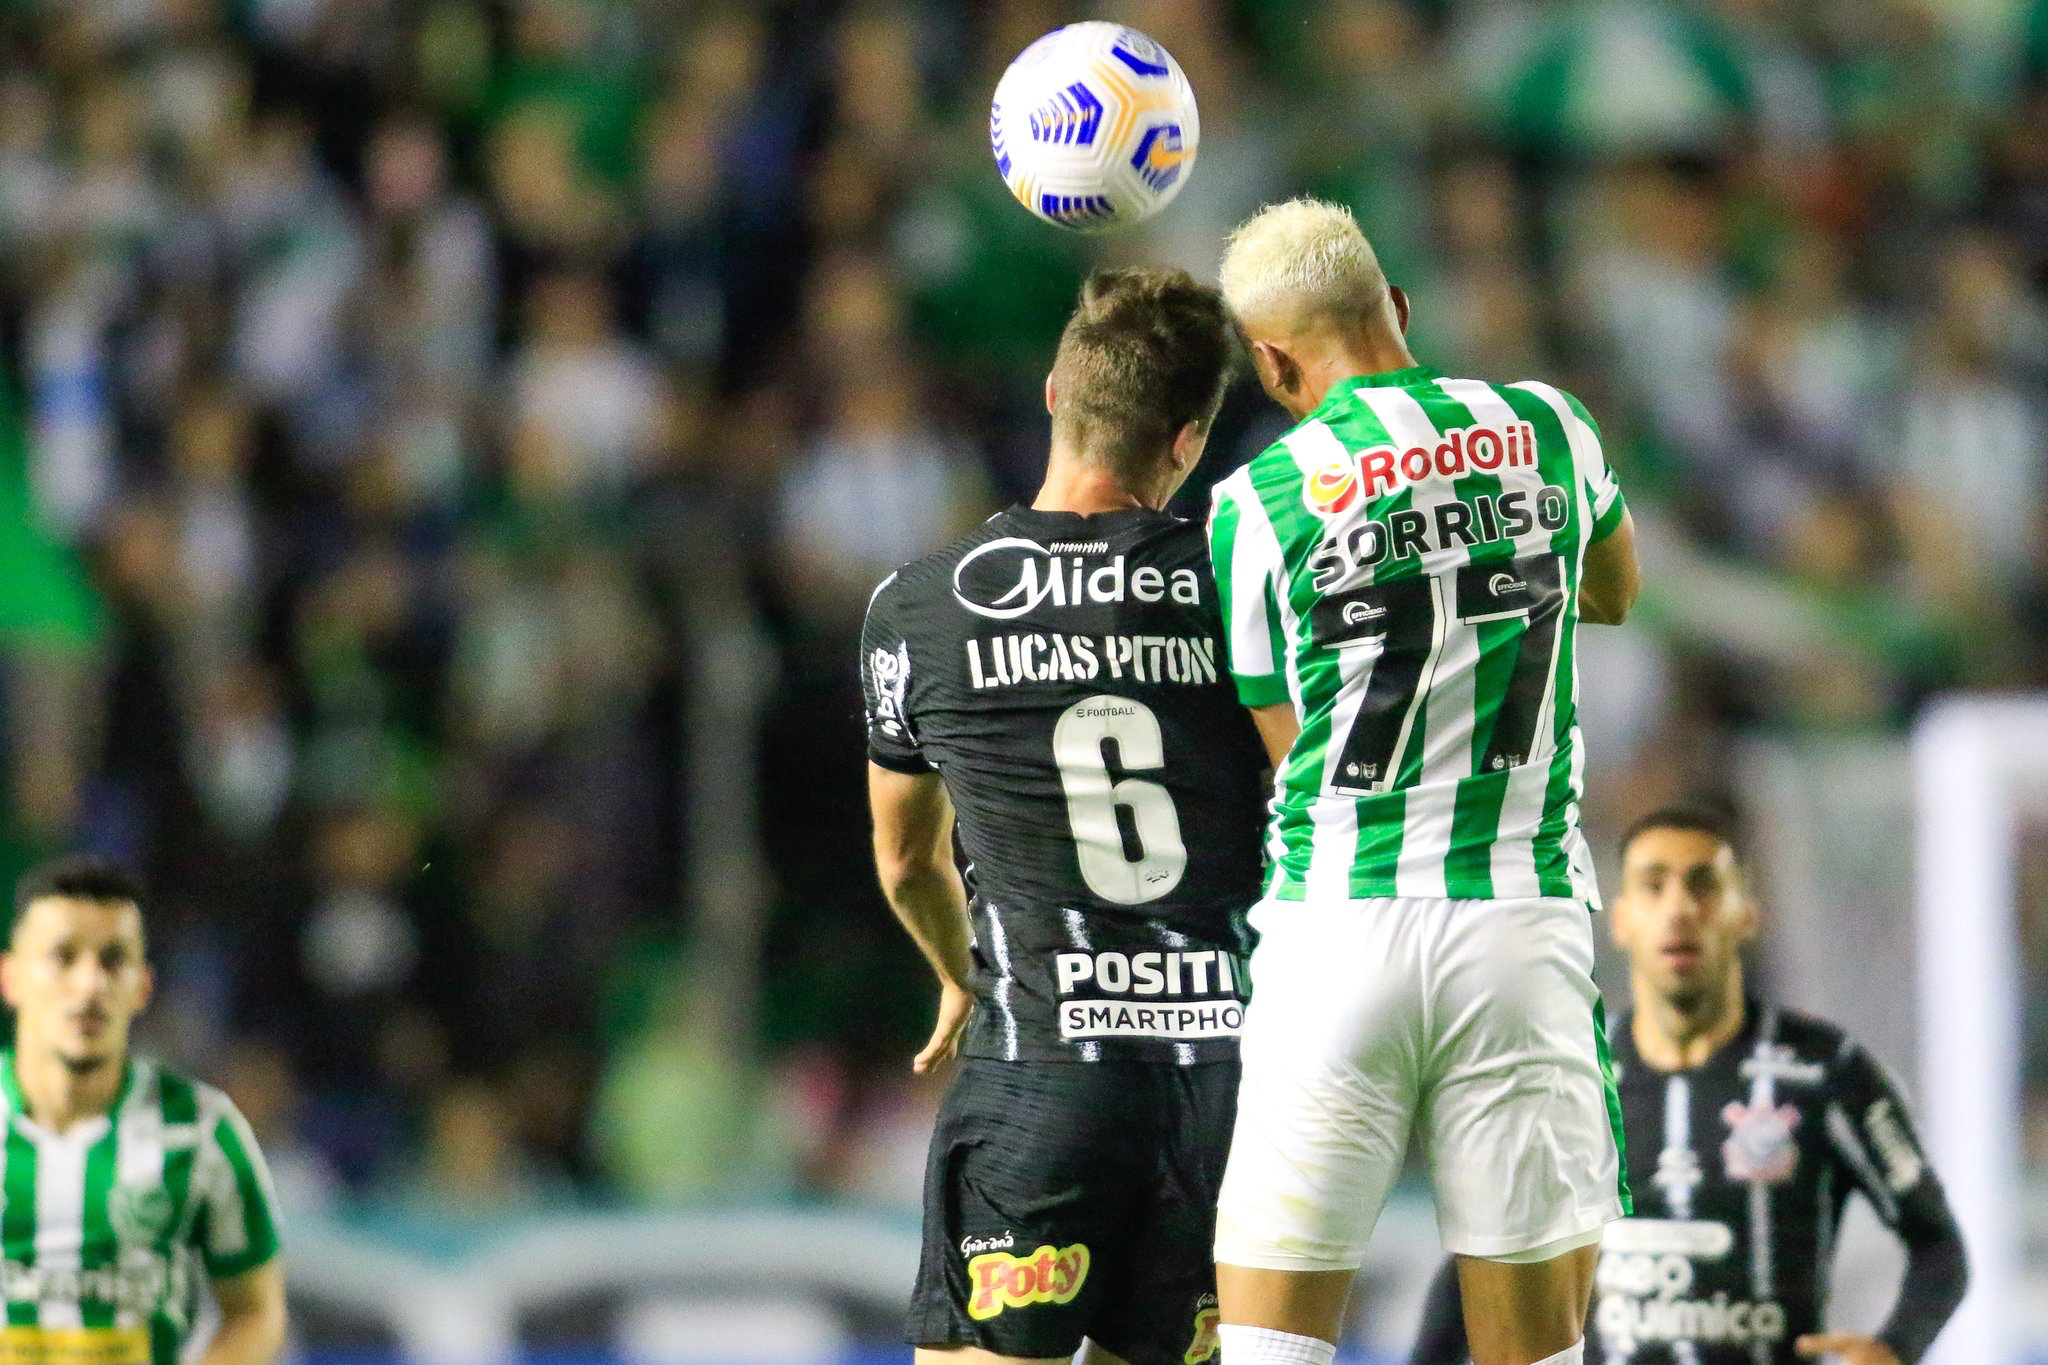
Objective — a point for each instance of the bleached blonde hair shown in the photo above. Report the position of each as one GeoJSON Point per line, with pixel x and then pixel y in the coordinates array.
{"type": "Point", "coordinates": [1297, 262]}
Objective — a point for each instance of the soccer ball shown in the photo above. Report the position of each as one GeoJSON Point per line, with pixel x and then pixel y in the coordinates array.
{"type": "Point", "coordinates": [1094, 127]}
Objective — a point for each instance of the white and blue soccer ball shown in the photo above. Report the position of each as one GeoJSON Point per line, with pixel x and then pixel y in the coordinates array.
{"type": "Point", "coordinates": [1094, 127]}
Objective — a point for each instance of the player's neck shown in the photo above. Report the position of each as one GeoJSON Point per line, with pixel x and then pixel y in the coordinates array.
{"type": "Point", "coordinates": [1351, 357]}
{"type": "Point", "coordinates": [1674, 1036]}
{"type": "Point", "coordinates": [1075, 484]}
{"type": "Point", "coordinates": [59, 1095]}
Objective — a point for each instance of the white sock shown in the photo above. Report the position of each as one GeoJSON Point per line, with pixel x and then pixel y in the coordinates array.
{"type": "Point", "coordinates": [1574, 1354]}
{"type": "Point", "coordinates": [1265, 1346]}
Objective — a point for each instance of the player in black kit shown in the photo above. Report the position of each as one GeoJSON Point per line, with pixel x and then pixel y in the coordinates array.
{"type": "Point", "coordinates": [1749, 1125]}
{"type": "Point", "coordinates": [1049, 695]}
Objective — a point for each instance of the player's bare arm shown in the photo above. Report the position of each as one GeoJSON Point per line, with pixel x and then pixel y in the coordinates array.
{"type": "Point", "coordinates": [252, 1318]}
{"type": "Point", "coordinates": [914, 859]}
{"type": "Point", "coordinates": [1612, 577]}
{"type": "Point", "coordinates": [1279, 727]}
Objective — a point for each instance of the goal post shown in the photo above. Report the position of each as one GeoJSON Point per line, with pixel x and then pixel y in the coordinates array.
{"type": "Point", "coordinates": [1975, 759]}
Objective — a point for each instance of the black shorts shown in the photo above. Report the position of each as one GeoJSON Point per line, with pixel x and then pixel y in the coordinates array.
{"type": "Point", "coordinates": [1066, 1200]}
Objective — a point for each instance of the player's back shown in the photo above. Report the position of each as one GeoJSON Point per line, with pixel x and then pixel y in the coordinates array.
{"type": "Point", "coordinates": [1066, 677]}
{"type": "Point", "coordinates": [1403, 565]}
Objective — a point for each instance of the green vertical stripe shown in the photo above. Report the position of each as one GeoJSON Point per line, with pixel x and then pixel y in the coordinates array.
{"type": "Point", "coordinates": [1606, 1052]}
{"type": "Point", "coordinates": [1553, 867]}
{"type": "Point", "coordinates": [18, 1216]}
{"type": "Point", "coordinates": [259, 1226]}
{"type": "Point", "coordinates": [179, 1104]}
{"type": "Point", "coordinates": [10, 1084]}
{"type": "Point", "coordinates": [99, 1249]}
{"type": "Point", "coordinates": [1381, 822]}
{"type": "Point", "coordinates": [1475, 824]}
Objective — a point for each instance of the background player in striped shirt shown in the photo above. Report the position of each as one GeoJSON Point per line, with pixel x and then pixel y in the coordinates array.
{"type": "Point", "coordinates": [1763, 1121]}
{"type": "Point", "coordinates": [124, 1184]}
{"type": "Point", "coordinates": [1403, 575]}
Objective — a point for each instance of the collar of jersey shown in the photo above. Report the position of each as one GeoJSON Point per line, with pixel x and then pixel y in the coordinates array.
{"type": "Point", "coordinates": [10, 1087]}
{"type": "Point", "coordinates": [1386, 379]}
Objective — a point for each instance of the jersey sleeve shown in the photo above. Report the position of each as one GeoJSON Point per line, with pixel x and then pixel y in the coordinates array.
{"type": "Point", "coordinates": [1603, 490]}
{"type": "Point", "coordinates": [1247, 564]}
{"type": "Point", "coordinates": [885, 685]}
{"type": "Point", "coordinates": [1878, 1151]}
{"type": "Point", "coordinates": [236, 1222]}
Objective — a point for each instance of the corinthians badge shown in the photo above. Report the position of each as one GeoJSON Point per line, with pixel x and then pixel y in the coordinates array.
{"type": "Point", "coordinates": [1760, 1148]}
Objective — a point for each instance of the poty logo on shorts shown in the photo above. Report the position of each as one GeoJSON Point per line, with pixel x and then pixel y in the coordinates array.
{"type": "Point", "coordinates": [1333, 488]}
{"type": "Point", "coordinates": [999, 1280]}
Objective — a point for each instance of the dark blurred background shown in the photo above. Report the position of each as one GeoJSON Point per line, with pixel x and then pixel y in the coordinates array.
{"type": "Point", "coordinates": [446, 447]}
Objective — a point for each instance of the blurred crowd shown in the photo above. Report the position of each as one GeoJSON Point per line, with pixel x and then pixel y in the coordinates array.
{"type": "Point", "coordinates": [446, 447]}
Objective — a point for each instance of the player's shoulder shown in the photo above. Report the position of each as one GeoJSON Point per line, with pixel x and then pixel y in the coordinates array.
{"type": "Point", "coordinates": [919, 577]}
{"type": "Point", "coordinates": [1817, 1041]}
{"type": "Point", "coordinates": [183, 1098]}
{"type": "Point", "coordinates": [1561, 401]}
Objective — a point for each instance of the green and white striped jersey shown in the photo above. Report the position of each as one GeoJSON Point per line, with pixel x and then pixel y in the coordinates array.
{"type": "Point", "coordinates": [108, 1228]}
{"type": "Point", "coordinates": [1403, 566]}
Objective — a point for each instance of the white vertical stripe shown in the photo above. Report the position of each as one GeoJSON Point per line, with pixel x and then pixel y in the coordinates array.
{"type": "Point", "coordinates": [1585, 447]}
{"type": "Point", "coordinates": [1183, 1053]}
{"type": "Point", "coordinates": [999, 944]}
{"type": "Point", "coordinates": [139, 1150]}
{"type": "Point", "coordinates": [1678, 1170]}
{"type": "Point", "coordinates": [1333, 821]}
{"type": "Point", "coordinates": [1521, 811]}
{"type": "Point", "coordinates": [1250, 572]}
{"type": "Point", "coordinates": [1763, 1095]}
{"type": "Point", "coordinates": [1448, 696]}
{"type": "Point", "coordinates": [226, 1218]}
{"type": "Point", "coordinates": [1255, 534]}
{"type": "Point", "coordinates": [1077, 934]}
{"type": "Point", "coordinates": [60, 1210]}
{"type": "Point", "coordinates": [1842, 1133]}
{"type": "Point", "coordinates": [1335, 817]}
{"type": "Point", "coordinates": [1678, 1164]}
{"type": "Point", "coordinates": [1315, 447]}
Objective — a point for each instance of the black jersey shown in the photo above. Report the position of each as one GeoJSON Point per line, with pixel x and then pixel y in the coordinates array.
{"type": "Point", "coordinates": [1066, 676]}
{"type": "Point", "coordinates": [1741, 1167]}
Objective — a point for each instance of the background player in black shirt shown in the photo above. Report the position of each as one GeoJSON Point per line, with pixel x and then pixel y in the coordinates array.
{"type": "Point", "coordinates": [1748, 1126]}
{"type": "Point", "coordinates": [1049, 697]}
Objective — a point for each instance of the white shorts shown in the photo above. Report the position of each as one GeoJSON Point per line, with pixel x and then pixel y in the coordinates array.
{"type": "Point", "coordinates": [1476, 1024]}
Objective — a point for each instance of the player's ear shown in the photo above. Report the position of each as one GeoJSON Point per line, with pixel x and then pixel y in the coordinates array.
{"type": "Point", "coordinates": [1618, 925]}
{"type": "Point", "coordinates": [1051, 394]}
{"type": "Point", "coordinates": [1188, 444]}
{"type": "Point", "coordinates": [1277, 370]}
{"type": "Point", "coordinates": [8, 970]}
{"type": "Point", "coordinates": [1400, 298]}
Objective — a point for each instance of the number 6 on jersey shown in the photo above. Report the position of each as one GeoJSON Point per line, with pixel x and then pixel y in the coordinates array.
{"type": "Point", "coordinates": [1126, 833]}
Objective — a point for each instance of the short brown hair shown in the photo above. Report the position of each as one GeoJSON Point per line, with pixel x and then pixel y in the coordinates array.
{"type": "Point", "coordinates": [1146, 352]}
{"type": "Point", "coordinates": [78, 876]}
{"type": "Point", "coordinates": [1692, 818]}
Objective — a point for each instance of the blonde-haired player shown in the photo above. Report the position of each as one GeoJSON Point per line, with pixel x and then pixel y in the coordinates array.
{"type": "Point", "coordinates": [1403, 575]}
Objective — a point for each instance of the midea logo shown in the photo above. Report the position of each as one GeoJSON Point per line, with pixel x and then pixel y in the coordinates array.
{"type": "Point", "coordinates": [1011, 577]}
